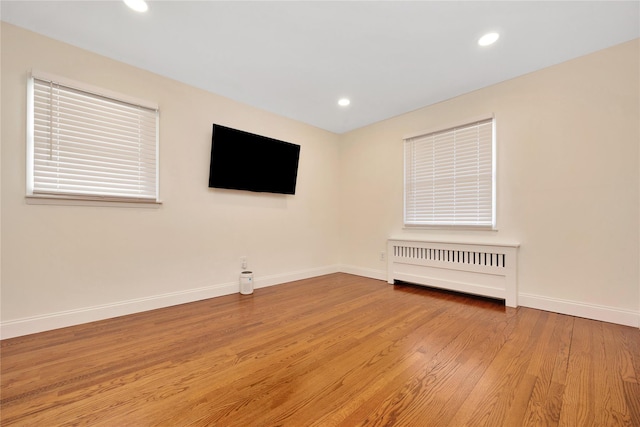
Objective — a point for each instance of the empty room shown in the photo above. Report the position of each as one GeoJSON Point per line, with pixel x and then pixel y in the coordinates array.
{"type": "Point", "coordinates": [234, 213]}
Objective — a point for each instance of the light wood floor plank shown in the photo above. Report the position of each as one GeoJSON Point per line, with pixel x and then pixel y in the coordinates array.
{"type": "Point", "coordinates": [549, 365]}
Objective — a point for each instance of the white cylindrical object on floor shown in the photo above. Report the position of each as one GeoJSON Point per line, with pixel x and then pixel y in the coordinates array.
{"type": "Point", "coordinates": [246, 282]}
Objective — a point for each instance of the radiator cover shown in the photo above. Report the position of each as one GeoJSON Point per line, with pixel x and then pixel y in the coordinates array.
{"type": "Point", "coordinates": [487, 269]}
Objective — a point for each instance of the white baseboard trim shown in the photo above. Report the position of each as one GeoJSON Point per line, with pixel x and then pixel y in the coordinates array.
{"type": "Point", "coordinates": [46, 322]}
{"type": "Point", "coordinates": [63, 319]}
{"type": "Point", "coordinates": [278, 279]}
{"type": "Point", "coordinates": [579, 309]}
{"type": "Point", "coordinates": [364, 272]}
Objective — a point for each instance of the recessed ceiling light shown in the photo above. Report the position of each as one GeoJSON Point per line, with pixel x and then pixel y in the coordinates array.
{"type": "Point", "coordinates": [488, 39]}
{"type": "Point", "coordinates": [137, 5]}
{"type": "Point", "coordinates": [343, 102]}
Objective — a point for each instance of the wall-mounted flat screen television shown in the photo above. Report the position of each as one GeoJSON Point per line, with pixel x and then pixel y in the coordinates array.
{"type": "Point", "coordinates": [245, 161]}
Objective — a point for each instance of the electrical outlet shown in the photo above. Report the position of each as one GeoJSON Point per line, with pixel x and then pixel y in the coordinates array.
{"type": "Point", "coordinates": [382, 256]}
{"type": "Point", "coordinates": [243, 262]}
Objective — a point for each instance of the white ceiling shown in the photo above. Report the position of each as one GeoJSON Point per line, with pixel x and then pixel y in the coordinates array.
{"type": "Point", "coordinates": [297, 58]}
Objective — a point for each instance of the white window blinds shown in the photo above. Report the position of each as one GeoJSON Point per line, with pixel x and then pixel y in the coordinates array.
{"type": "Point", "coordinates": [449, 177]}
{"type": "Point", "coordinates": [87, 145]}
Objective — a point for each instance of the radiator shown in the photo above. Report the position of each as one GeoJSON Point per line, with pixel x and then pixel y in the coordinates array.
{"type": "Point", "coordinates": [490, 270]}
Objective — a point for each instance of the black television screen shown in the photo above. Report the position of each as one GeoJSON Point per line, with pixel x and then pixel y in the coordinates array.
{"type": "Point", "coordinates": [245, 161]}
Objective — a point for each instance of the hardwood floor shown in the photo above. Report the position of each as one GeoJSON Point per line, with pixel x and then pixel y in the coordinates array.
{"type": "Point", "coordinates": [334, 350]}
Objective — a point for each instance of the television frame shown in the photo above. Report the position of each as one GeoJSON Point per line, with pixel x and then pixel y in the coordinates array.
{"type": "Point", "coordinates": [246, 161]}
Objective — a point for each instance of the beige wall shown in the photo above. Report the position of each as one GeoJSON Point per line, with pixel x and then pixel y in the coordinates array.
{"type": "Point", "coordinates": [568, 191]}
{"type": "Point", "coordinates": [567, 178]}
{"type": "Point", "coordinates": [58, 258]}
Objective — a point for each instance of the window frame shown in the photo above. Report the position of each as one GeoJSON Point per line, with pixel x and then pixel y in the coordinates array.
{"type": "Point", "coordinates": [39, 197]}
{"type": "Point", "coordinates": [492, 226]}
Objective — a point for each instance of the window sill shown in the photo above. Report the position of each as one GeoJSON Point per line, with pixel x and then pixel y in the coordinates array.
{"type": "Point", "coordinates": [98, 202]}
{"type": "Point", "coordinates": [449, 227]}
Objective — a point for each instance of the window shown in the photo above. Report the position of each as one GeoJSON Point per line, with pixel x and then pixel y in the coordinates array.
{"type": "Point", "coordinates": [88, 144]}
{"type": "Point", "coordinates": [450, 177]}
